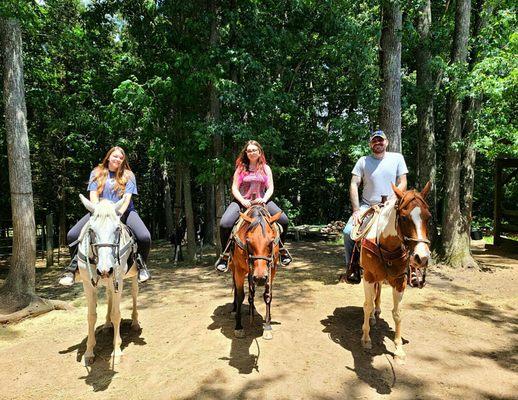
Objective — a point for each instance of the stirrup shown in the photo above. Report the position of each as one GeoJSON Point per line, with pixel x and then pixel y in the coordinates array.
{"type": "Point", "coordinates": [221, 264]}
{"type": "Point", "coordinates": [285, 256]}
{"type": "Point", "coordinates": [142, 271]}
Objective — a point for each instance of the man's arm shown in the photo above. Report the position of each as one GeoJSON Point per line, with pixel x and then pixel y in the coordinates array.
{"type": "Point", "coordinates": [354, 197]}
{"type": "Point", "coordinates": [401, 182]}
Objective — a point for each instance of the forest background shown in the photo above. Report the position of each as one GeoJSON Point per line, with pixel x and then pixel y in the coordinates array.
{"type": "Point", "coordinates": [181, 86]}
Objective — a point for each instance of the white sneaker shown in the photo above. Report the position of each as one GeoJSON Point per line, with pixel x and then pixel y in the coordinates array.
{"type": "Point", "coordinates": [68, 279]}
{"type": "Point", "coordinates": [143, 275]}
{"type": "Point", "coordinates": [222, 266]}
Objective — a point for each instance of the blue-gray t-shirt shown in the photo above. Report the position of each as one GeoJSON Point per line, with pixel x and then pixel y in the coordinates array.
{"type": "Point", "coordinates": [109, 192]}
{"type": "Point", "coordinates": [377, 175]}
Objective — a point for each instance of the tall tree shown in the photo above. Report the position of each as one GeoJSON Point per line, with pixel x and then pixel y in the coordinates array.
{"type": "Point", "coordinates": [455, 241]}
{"type": "Point", "coordinates": [390, 61]}
{"type": "Point", "coordinates": [17, 295]}
{"type": "Point", "coordinates": [20, 281]}
{"type": "Point", "coordinates": [426, 163]}
{"type": "Point", "coordinates": [471, 108]}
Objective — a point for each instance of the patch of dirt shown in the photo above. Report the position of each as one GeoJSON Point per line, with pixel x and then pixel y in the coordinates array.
{"type": "Point", "coordinates": [460, 335]}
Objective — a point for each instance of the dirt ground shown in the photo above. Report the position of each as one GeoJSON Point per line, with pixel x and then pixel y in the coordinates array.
{"type": "Point", "coordinates": [460, 336]}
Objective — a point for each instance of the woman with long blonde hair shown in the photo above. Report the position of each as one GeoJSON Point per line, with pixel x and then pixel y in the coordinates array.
{"type": "Point", "coordinates": [112, 180]}
{"type": "Point", "coordinates": [252, 184]}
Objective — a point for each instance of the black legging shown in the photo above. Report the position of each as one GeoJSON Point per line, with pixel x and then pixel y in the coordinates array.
{"type": "Point", "coordinates": [231, 215]}
{"type": "Point", "coordinates": [130, 218]}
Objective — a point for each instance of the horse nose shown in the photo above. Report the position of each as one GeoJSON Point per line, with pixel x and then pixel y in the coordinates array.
{"type": "Point", "coordinates": [260, 281]}
{"type": "Point", "coordinates": [421, 261]}
{"type": "Point", "coordinates": [104, 273]}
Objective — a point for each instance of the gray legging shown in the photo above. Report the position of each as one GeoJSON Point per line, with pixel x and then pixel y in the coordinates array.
{"type": "Point", "coordinates": [231, 215]}
{"type": "Point", "coordinates": [130, 218]}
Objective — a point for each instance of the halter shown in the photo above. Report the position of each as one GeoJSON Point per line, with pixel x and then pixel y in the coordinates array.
{"type": "Point", "coordinates": [413, 272]}
{"type": "Point", "coordinates": [116, 252]}
{"type": "Point", "coordinates": [406, 239]}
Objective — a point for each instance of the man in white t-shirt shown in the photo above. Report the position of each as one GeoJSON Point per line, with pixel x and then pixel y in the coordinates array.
{"type": "Point", "coordinates": [376, 171]}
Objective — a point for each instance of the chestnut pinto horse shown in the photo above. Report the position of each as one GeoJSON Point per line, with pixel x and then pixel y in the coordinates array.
{"type": "Point", "coordinates": [395, 250]}
{"type": "Point", "coordinates": [255, 254]}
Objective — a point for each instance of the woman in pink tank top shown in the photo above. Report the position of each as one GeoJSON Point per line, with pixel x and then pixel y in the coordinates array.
{"type": "Point", "coordinates": [252, 184]}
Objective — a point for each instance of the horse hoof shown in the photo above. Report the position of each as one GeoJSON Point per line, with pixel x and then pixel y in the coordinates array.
{"type": "Point", "coordinates": [372, 321]}
{"type": "Point", "coordinates": [267, 335]}
{"type": "Point", "coordinates": [88, 360]}
{"type": "Point", "coordinates": [400, 359]}
{"type": "Point", "coordinates": [135, 327]}
{"type": "Point", "coordinates": [367, 345]}
{"type": "Point", "coordinates": [239, 333]}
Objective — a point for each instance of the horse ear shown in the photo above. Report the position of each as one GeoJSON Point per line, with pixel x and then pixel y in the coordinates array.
{"type": "Point", "coordinates": [399, 193]}
{"type": "Point", "coordinates": [87, 203]}
{"type": "Point", "coordinates": [275, 217]}
{"type": "Point", "coordinates": [426, 189]}
{"type": "Point", "coordinates": [246, 217]}
{"type": "Point", "coordinates": [118, 205]}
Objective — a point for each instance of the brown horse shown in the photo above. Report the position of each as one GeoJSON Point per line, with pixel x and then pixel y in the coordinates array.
{"type": "Point", "coordinates": [255, 255]}
{"type": "Point", "coordinates": [395, 250]}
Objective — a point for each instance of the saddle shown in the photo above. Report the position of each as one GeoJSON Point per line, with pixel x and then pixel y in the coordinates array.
{"type": "Point", "coordinates": [234, 238]}
{"type": "Point", "coordinates": [391, 260]}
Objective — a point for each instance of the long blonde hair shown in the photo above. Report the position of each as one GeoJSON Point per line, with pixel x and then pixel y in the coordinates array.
{"type": "Point", "coordinates": [122, 175]}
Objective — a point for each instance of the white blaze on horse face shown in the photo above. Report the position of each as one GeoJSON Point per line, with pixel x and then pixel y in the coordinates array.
{"type": "Point", "coordinates": [386, 222]}
{"type": "Point", "coordinates": [421, 249]}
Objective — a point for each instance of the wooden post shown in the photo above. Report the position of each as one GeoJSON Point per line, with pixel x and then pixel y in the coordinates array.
{"type": "Point", "coordinates": [498, 201]}
{"type": "Point", "coordinates": [50, 240]}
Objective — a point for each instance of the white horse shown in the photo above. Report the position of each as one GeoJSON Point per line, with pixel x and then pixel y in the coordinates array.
{"type": "Point", "coordinates": [104, 252]}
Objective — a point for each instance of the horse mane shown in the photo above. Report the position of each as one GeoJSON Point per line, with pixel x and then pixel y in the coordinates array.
{"type": "Point", "coordinates": [258, 213]}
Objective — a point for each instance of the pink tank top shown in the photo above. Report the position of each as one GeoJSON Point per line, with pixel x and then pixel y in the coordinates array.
{"type": "Point", "coordinates": [252, 184]}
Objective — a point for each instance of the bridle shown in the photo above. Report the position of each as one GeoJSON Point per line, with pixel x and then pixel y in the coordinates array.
{"type": "Point", "coordinates": [117, 252]}
{"type": "Point", "coordinates": [415, 274]}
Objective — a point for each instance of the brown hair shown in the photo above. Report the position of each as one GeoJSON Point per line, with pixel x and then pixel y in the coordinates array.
{"type": "Point", "coordinates": [242, 161]}
{"type": "Point", "coordinates": [122, 175]}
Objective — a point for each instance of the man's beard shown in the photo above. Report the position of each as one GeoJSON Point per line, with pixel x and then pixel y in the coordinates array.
{"type": "Point", "coordinates": [378, 149]}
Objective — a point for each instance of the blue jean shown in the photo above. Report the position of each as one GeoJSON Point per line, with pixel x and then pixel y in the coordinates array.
{"type": "Point", "coordinates": [348, 242]}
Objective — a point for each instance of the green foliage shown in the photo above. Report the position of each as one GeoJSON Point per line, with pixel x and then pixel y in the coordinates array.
{"type": "Point", "coordinates": [299, 76]}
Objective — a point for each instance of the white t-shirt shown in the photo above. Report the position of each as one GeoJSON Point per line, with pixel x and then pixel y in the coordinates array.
{"type": "Point", "coordinates": [377, 175]}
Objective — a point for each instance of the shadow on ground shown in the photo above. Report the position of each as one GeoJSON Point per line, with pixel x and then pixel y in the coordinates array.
{"type": "Point", "coordinates": [344, 328]}
{"type": "Point", "coordinates": [240, 357]}
{"type": "Point", "coordinates": [101, 372]}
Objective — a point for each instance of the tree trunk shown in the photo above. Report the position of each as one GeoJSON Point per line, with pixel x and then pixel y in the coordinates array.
{"type": "Point", "coordinates": [168, 204]}
{"type": "Point", "coordinates": [189, 214]}
{"type": "Point", "coordinates": [213, 118]}
{"type": "Point", "coordinates": [456, 244]}
{"type": "Point", "coordinates": [471, 108]}
{"type": "Point", "coordinates": [62, 219]}
{"type": "Point", "coordinates": [426, 156]}
{"type": "Point", "coordinates": [178, 195]}
{"type": "Point", "coordinates": [390, 61]}
{"type": "Point", "coordinates": [210, 214]}
{"type": "Point", "coordinates": [18, 289]}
